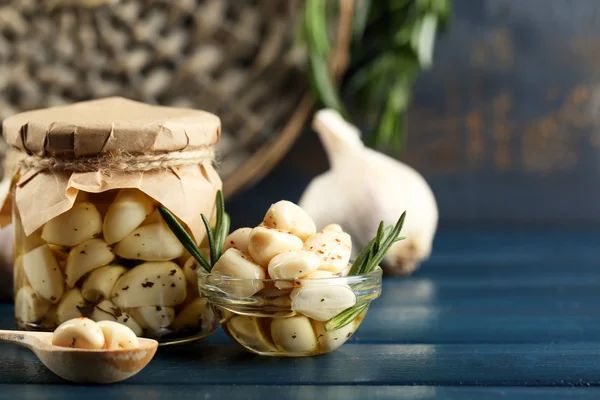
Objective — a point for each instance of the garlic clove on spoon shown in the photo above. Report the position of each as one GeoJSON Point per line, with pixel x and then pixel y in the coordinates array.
{"type": "Point", "coordinates": [364, 187]}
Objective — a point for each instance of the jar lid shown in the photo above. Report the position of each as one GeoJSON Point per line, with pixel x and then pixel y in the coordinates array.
{"type": "Point", "coordinates": [101, 126]}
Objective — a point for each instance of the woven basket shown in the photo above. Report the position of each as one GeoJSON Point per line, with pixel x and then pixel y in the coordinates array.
{"type": "Point", "coordinates": [236, 59]}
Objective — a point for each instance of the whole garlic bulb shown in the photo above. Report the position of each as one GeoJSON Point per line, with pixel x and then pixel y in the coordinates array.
{"type": "Point", "coordinates": [364, 187]}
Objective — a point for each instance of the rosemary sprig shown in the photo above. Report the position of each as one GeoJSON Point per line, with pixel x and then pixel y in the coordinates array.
{"type": "Point", "coordinates": [216, 236]}
{"type": "Point", "coordinates": [392, 41]}
{"type": "Point", "coordinates": [368, 259]}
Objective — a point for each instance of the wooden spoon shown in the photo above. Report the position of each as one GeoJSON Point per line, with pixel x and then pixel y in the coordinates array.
{"type": "Point", "coordinates": [84, 366]}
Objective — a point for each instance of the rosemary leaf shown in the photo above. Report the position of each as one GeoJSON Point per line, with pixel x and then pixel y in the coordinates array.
{"type": "Point", "coordinates": [360, 19]}
{"type": "Point", "coordinates": [344, 318]}
{"type": "Point", "coordinates": [211, 240]}
{"type": "Point", "coordinates": [368, 259]}
{"type": "Point", "coordinates": [385, 246]}
{"type": "Point", "coordinates": [185, 239]}
{"type": "Point", "coordinates": [315, 25]}
{"type": "Point", "coordinates": [223, 232]}
{"type": "Point", "coordinates": [392, 41]}
{"type": "Point", "coordinates": [360, 261]}
{"type": "Point", "coordinates": [218, 231]}
{"type": "Point", "coordinates": [323, 85]}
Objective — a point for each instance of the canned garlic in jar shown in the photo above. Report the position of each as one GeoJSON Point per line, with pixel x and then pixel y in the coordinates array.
{"type": "Point", "coordinates": [89, 241]}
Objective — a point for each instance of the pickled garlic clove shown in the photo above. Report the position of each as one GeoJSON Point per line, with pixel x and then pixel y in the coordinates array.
{"type": "Point", "coordinates": [333, 227]}
{"type": "Point", "coordinates": [318, 274]}
{"type": "Point", "coordinates": [44, 274]}
{"type": "Point", "coordinates": [79, 333]}
{"type": "Point", "coordinates": [190, 269]}
{"type": "Point", "coordinates": [150, 284]}
{"type": "Point", "coordinates": [108, 311]}
{"type": "Point", "coordinates": [265, 243]}
{"type": "Point", "coordinates": [238, 239]}
{"type": "Point", "coordinates": [86, 257]}
{"type": "Point", "coordinates": [247, 331]}
{"type": "Point", "coordinates": [118, 336]}
{"type": "Point", "coordinates": [293, 264]}
{"type": "Point", "coordinates": [153, 242]}
{"type": "Point", "coordinates": [101, 282]}
{"type": "Point", "coordinates": [322, 301]}
{"type": "Point", "coordinates": [235, 264]}
{"type": "Point", "coordinates": [130, 208]}
{"type": "Point", "coordinates": [30, 307]}
{"type": "Point", "coordinates": [153, 318]}
{"type": "Point", "coordinates": [82, 222]}
{"type": "Point", "coordinates": [294, 334]}
{"type": "Point", "coordinates": [287, 216]}
{"type": "Point", "coordinates": [196, 314]}
{"type": "Point", "coordinates": [333, 247]}
{"type": "Point", "coordinates": [69, 306]}
{"type": "Point", "coordinates": [330, 341]}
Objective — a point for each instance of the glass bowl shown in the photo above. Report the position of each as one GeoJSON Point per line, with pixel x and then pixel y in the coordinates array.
{"type": "Point", "coordinates": [287, 317]}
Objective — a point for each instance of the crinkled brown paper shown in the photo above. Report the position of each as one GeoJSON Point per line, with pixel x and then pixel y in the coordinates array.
{"type": "Point", "coordinates": [99, 126]}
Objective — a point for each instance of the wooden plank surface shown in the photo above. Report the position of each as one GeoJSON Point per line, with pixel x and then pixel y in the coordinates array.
{"type": "Point", "coordinates": [490, 315]}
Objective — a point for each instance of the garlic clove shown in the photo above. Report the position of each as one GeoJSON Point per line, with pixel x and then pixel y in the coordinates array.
{"type": "Point", "coordinates": [333, 227]}
{"type": "Point", "coordinates": [235, 264]}
{"type": "Point", "coordinates": [101, 282]}
{"type": "Point", "coordinates": [330, 341]}
{"type": "Point", "coordinates": [196, 314]}
{"type": "Point", "coordinates": [44, 274]}
{"type": "Point", "coordinates": [287, 216]}
{"type": "Point", "coordinates": [126, 213]}
{"type": "Point", "coordinates": [293, 264]}
{"type": "Point", "coordinates": [79, 333]}
{"type": "Point", "coordinates": [318, 274]}
{"type": "Point", "coordinates": [60, 252]}
{"type": "Point", "coordinates": [118, 336]}
{"type": "Point", "coordinates": [108, 311]}
{"type": "Point", "coordinates": [333, 248]}
{"type": "Point", "coordinates": [247, 331]}
{"type": "Point", "coordinates": [190, 269]}
{"type": "Point", "coordinates": [346, 270]}
{"type": "Point", "coordinates": [82, 222]}
{"type": "Point", "coordinates": [294, 335]}
{"type": "Point", "coordinates": [30, 307]}
{"type": "Point", "coordinates": [86, 257]}
{"type": "Point", "coordinates": [364, 187]}
{"type": "Point", "coordinates": [150, 284]}
{"type": "Point", "coordinates": [154, 242]}
{"type": "Point", "coordinates": [322, 301]}
{"type": "Point", "coordinates": [238, 239]}
{"type": "Point", "coordinates": [265, 243]}
{"type": "Point", "coordinates": [69, 306]}
{"type": "Point", "coordinates": [154, 318]}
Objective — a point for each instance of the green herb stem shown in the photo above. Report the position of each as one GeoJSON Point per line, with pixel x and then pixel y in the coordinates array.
{"type": "Point", "coordinates": [367, 260]}
{"type": "Point", "coordinates": [392, 41]}
{"type": "Point", "coordinates": [185, 239]}
{"type": "Point", "coordinates": [216, 237]}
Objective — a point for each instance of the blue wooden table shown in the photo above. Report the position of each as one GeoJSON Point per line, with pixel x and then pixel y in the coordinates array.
{"type": "Point", "coordinates": [491, 315]}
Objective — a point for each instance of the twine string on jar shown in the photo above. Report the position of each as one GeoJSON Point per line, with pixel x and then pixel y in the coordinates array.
{"type": "Point", "coordinates": [120, 160]}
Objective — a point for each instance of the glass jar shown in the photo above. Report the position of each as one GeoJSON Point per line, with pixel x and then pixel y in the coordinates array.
{"type": "Point", "coordinates": [93, 244]}
{"type": "Point", "coordinates": [273, 322]}
{"type": "Point", "coordinates": [96, 261]}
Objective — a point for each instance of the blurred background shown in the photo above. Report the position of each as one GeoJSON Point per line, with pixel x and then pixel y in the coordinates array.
{"type": "Point", "coordinates": [503, 125]}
